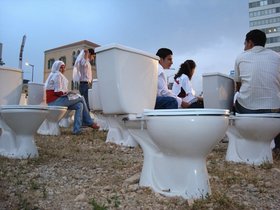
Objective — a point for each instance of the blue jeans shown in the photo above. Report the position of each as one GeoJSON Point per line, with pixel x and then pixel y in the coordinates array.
{"type": "Point", "coordinates": [81, 116]}
{"type": "Point", "coordinates": [166, 102]}
{"type": "Point", "coordinates": [83, 88]}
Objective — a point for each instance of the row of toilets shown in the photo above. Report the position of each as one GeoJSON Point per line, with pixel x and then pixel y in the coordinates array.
{"type": "Point", "coordinates": [175, 143]}
{"type": "Point", "coordinates": [21, 119]}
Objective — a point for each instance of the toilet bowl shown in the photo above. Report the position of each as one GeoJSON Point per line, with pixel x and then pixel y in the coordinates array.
{"type": "Point", "coordinates": [11, 86]}
{"type": "Point", "coordinates": [17, 122]}
{"type": "Point", "coordinates": [50, 125]}
{"type": "Point", "coordinates": [67, 120]}
{"type": "Point", "coordinates": [37, 96]}
{"type": "Point", "coordinates": [175, 143]}
{"type": "Point", "coordinates": [249, 142]}
{"type": "Point", "coordinates": [23, 121]}
{"type": "Point", "coordinates": [249, 135]}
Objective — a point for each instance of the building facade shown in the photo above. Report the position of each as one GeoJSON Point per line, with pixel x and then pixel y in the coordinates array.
{"type": "Point", "coordinates": [67, 54]}
{"type": "Point", "coordinates": [265, 15]}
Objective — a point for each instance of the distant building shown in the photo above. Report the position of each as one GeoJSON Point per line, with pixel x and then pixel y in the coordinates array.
{"type": "Point", "coordinates": [265, 15]}
{"type": "Point", "coordinates": [67, 54]}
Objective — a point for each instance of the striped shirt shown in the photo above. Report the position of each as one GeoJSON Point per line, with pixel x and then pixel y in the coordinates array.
{"type": "Point", "coordinates": [258, 70]}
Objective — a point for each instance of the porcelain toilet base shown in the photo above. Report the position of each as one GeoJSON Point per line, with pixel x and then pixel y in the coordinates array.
{"type": "Point", "coordinates": [50, 126]}
{"type": "Point", "coordinates": [23, 122]}
{"type": "Point", "coordinates": [171, 175]}
{"type": "Point", "coordinates": [66, 121]}
{"type": "Point", "coordinates": [250, 138]}
{"type": "Point", "coordinates": [118, 132]}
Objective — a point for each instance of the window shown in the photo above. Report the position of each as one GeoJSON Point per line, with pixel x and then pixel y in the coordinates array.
{"type": "Point", "coordinates": [50, 63]}
{"type": "Point", "coordinates": [63, 58]}
{"type": "Point", "coordinates": [73, 57]}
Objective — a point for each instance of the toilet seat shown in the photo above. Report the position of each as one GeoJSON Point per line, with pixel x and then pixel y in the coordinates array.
{"type": "Point", "coordinates": [263, 115]}
{"type": "Point", "coordinates": [185, 112]}
{"type": "Point", "coordinates": [5, 107]}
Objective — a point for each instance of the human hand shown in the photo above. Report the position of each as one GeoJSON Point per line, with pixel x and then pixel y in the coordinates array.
{"type": "Point", "coordinates": [185, 104]}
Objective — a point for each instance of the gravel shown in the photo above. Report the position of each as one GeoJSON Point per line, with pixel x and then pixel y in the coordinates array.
{"type": "Point", "coordinates": [84, 172]}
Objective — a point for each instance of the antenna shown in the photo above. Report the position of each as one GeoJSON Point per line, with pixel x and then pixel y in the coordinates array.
{"type": "Point", "coordinates": [1, 61]}
{"type": "Point", "coordinates": [21, 51]}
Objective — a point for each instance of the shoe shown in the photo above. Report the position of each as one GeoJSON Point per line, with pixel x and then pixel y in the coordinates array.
{"type": "Point", "coordinates": [78, 133]}
{"type": "Point", "coordinates": [95, 126]}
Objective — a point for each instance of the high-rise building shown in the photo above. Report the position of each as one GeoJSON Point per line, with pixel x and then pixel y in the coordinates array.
{"type": "Point", "coordinates": [265, 15]}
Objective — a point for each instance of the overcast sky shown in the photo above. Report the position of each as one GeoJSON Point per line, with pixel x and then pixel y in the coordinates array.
{"type": "Point", "coordinates": [211, 32]}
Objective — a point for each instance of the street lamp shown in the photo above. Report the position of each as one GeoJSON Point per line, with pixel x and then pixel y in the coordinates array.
{"type": "Point", "coordinates": [29, 64]}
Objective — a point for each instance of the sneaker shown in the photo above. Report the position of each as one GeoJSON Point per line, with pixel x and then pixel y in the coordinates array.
{"type": "Point", "coordinates": [95, 126]}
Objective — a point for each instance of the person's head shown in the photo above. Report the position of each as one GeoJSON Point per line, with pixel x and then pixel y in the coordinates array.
{"type": "Point", "coordinates": [91, 54]}
{"type": "Point", "coordinates": [254, 38]}
{"type": "Point", "coordinates": [58, 66]}
{"type": "Point", "coordinates": [186, 68]}
{"type": "Point", "coordinates": [165, 56]}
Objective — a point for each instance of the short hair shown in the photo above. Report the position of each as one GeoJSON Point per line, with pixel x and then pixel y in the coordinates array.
{"type": "Point", "coordinates": [91, 51]}
{"type": "Point", "coordinates": [258, 37]}
{"type": "Point", "coordinates": [164, 52]}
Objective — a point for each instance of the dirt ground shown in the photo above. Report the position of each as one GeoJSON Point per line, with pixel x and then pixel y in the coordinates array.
{"type": "Point", "coordinates": [84, 172]}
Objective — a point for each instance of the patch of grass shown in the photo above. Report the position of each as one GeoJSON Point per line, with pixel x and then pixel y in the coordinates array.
{"type": "Point", "coordinates": [216, 201]}
{"type": "Point", "coordinates": [96, 206]}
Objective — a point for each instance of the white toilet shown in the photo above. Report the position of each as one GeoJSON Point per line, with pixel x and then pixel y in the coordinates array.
{"type": "Point", "coordinates": [249, 135]}
{"type": "Point", "coordinates": [176, 142]}
{"type": "Point", "coordinates": [96, 106]}
{"type": "Point", "coordinates": [117, 131]}
{"type": "Point", "coordinates": [17, 122]}
{"type": "Point", "coordinates": [37, 96]}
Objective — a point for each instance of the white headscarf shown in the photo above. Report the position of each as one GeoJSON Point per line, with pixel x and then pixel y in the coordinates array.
{"type": "Point", "coordinates": [76, 73]}
{"type": "Point", "coordinates": [56, 80]}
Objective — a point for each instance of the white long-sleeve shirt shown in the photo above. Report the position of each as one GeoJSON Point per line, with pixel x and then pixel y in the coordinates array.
{"type": "Point", "coordinates": [163, 88]}
{"type": "Point", "coordinates": [184, 82]}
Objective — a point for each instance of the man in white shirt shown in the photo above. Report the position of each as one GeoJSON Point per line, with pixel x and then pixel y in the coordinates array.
{"type": "Point", "coordinates": [165, 98]}
{"type": "Point", "coordinates": [257, 76]}
{"type": "Point", "coordinates": [83, 68]}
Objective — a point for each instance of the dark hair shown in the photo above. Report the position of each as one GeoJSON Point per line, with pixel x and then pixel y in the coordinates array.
{"type": "Point", "coordinates": [258, 37]}
{"type": "Point", "coordinates": [91, 51]}
{"type": "Point", "coordinates": [186, 68]}
{"type": "Point", "coordinates": [164, 52]}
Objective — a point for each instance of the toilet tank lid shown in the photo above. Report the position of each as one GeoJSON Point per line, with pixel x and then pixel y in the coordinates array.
{"type": "Point", "coordinates": [185, 112]}
{"type": "Point", "coordinates": [208, 74]}
{"type": "Point", "coordinates": [125, 48]}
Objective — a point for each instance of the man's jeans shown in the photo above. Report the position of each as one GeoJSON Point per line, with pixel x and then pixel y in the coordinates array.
{"type": "Point", "coordinates": [166, 102]}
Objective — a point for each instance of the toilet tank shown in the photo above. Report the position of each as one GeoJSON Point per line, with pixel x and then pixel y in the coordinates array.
{"type": "Point", "coordinates": [218, 90]}
{"type": "Point", "coordinates": [94, 97]}
{"type": "Point", "coordinates": [10, 85]}
{"type": "Point", "coordinates": [36, 94]}
{"type": "Point", "coordinates": [127, 79]}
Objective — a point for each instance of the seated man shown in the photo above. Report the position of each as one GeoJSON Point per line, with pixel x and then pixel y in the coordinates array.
{"type": "Point", "coordinates": [165, 98]}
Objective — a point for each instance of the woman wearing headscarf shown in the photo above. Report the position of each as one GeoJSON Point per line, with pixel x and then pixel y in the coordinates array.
{"type": "Point", "coordinates": [58, 95]}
